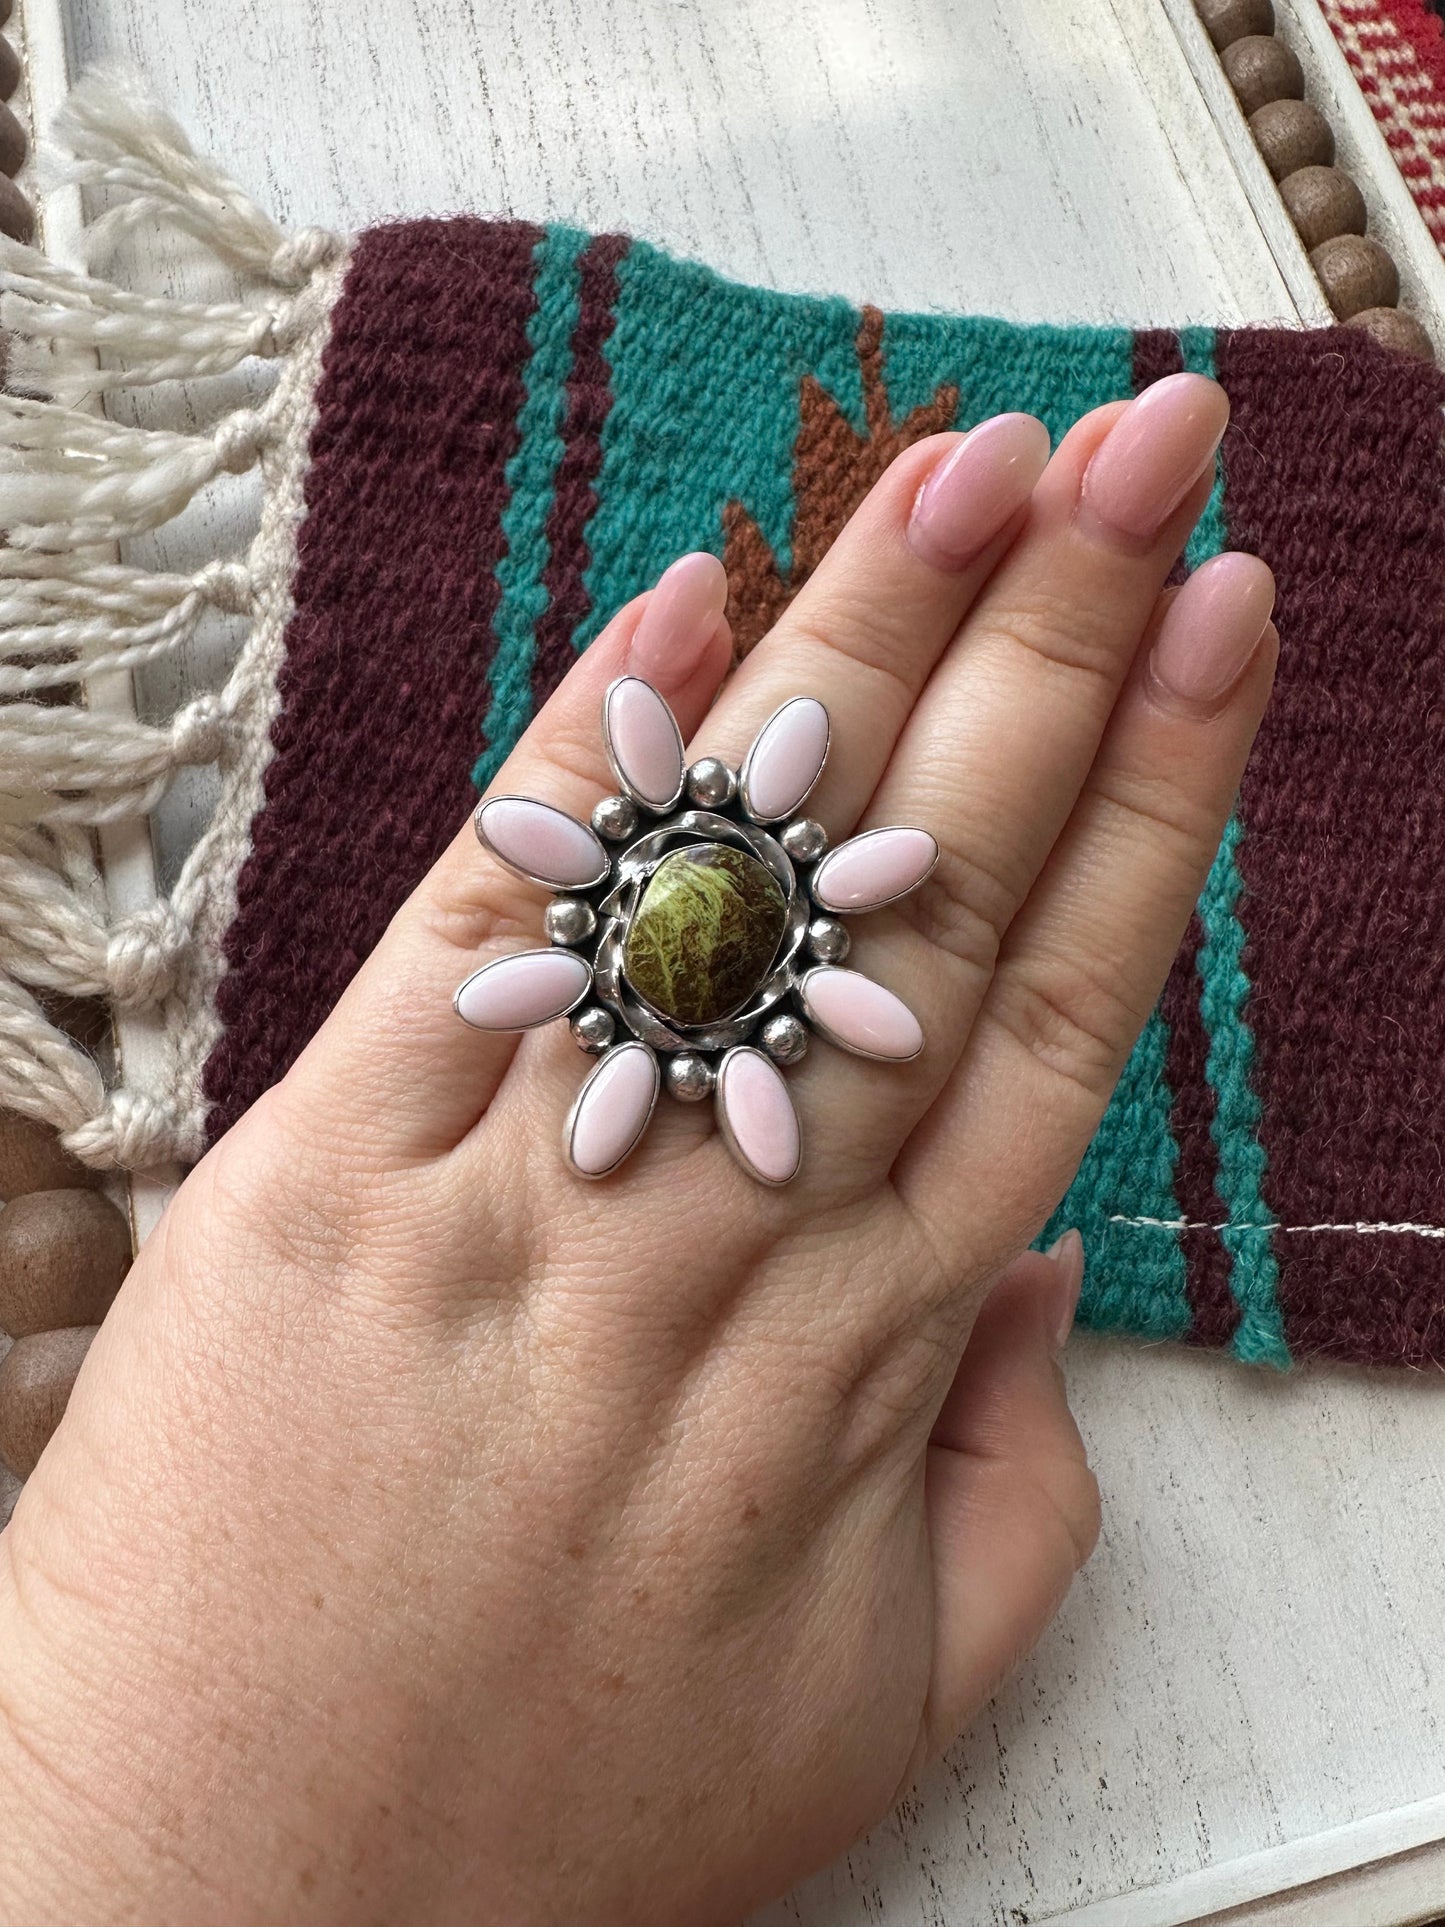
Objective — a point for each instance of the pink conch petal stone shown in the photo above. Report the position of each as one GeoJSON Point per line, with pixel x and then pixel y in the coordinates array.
{"type": "Point", "coordinates": [644, 741]}
{"type": "Point", "coordinates": [785, 761]}
{"type": "Point", "coordinates": [612, 1109]}
{"type": "Point", "coordinates": [757, 1116]}
{"type": "Point", "coordinates": [542, 842]}
{"type": "Point", "coordinates": [862, 1016]}
{"type": "Point", "coordinates": [874, 868]}
{"type": "Point", "coordinates": [514, 993]}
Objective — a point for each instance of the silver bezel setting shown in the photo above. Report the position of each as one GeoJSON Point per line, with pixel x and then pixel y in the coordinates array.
{"type": "Point", "coordinates": [569, 1129]}
{"type": "Point", "coordinates": [745, 773]}
{"type": "Point", "coordinates": [532, 876]}
{"type": "Point", "coordinates": [624, 782]}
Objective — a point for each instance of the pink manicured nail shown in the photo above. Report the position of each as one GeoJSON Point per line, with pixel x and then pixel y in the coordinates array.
{"type": "Point", "coordinates": [1153, 454]}
{"type": "Point", "coordinates": [977, 489]}
{"type": "Point", "coordinates": [678, 623]}
{"type": "Point", "coordinates": [1068, 1256]}
{"type": "Point", "coordinates": [1212, 628]}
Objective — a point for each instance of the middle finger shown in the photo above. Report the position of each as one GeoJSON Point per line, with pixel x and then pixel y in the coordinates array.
{"type": "Point", "coordinates": [1002, 740]}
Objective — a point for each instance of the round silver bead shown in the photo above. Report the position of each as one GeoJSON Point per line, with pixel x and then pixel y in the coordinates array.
{"type": "Point", "coordinates": [828, 940]}
{"type": "Point", "coordinates": [711, 784]}
{"type": "Point", "coordinates": [804, 840]}
{"type": "Point", "coordinates": [784, 1038]}
{"type": "Point", "coordinates": [615, 818]}
{"type": "Point", "coordinates": [569, 920]}
{"type": "Point", "coordinates": [689, 1077]}
{"type": "Point", "coordinates": [594, 1029]}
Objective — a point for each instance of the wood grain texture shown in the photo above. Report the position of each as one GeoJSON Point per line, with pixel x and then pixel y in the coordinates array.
{"type": "Point", "coordinates": [1253, 1657]}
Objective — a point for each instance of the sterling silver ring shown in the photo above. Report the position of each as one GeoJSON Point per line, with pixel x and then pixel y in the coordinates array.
{"type": "Point", "coordinates": [697, 938]}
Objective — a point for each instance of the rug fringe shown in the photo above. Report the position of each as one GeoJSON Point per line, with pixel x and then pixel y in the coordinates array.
{"type": "Point", "coordinates": [73, 485]}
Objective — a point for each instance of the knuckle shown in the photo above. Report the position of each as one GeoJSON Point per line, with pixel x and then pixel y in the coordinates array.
{"type": "Point", "coordinates": [1173, 822]}
{"type": "Point", "coordinates": [875, 641]}
{"type": "Point", "coordinates": [1070, 1018]}
{"type": "Point", "coordinates": [1063, 632]}
{"type": "Point", "coordinates": [964, 909]}
{"type": "Point", "coordinates": [575, 756]}
{"type": "Point", "coordinates": [471, 909]}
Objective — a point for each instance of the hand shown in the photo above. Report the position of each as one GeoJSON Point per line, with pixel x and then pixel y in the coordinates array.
{"type": "Point", "coordinates": [435, 1537]}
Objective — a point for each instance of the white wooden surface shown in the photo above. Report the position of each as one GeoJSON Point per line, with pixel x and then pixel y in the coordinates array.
{"type": "Point", "coordinates": [1250, 1673]}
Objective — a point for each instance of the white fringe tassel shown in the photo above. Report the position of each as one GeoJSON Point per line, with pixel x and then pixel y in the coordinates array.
{"type": "Point", "coordinates": [72, 485]}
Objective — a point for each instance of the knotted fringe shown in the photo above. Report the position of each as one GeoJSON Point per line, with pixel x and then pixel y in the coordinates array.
{"type": "Point", "coordinates": [72, 486]}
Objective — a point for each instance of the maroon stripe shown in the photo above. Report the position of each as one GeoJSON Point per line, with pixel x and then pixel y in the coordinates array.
{"type": "Point", "coordinates": [387, 650]}
{"type": "Point", "coordinates": [1191, 1116]}
{"type": "Point", "coordinates": [1191, 1119]}
{"type": "Point", "coordinates": [1156, 354]}
{"type": "Point", "coordinates": [589, 397]}
{"type": "Point", "coordinates": [1335, 474]}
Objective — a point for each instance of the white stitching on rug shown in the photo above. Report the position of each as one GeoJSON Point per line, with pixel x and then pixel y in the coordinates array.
{"type": "Point", "coordinates": [1361, 1228]}
{"type": "Point", "coordinates": [71, 484]}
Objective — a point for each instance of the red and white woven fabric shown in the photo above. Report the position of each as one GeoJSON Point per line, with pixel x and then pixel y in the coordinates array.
{"type": "Point", "coordinates": [1396, 51]}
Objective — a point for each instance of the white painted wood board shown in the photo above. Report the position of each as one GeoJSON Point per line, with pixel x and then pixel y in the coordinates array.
{"type": "Point", "coordinates": [1249, 1681]}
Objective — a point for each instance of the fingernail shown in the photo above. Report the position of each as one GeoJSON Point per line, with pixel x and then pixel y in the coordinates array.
{"type": "Point", "coordinates": [1068, 1256]}
{"type": "Point", "coordinates": [977, 490]}
{"type": "Point", "coordinates": [681, 615]}
{"type": "Point", "coordinates": [1212, 628]}
{"type": "Point", "coordinates": [1154, 453]}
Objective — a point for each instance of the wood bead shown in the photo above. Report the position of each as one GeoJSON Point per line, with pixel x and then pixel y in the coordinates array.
{"type": "Point", "coordinates": [17, 216]}
{"type": "Point", "coordinates": [1355, 272]}
{"type": "Point", "coordinates": [62, 1257]}
{"type": "Point", "coordinates": [12, 143]}
{"type": "Point", "coordinates": [1290, 134]}
{"type": "Point", "coordinates": [1393, 328]}
{"type": "Point", "coordinates": [1262, 68]}
{"type": "Point", "coordinates": [1323, 202]}
{"type": "Point", "coordinates": [9, 69]}
{"type": "Point", "coordinates": [1226, 21]}
{"type": "Point", "coordinates": [37, 1376]}
{"type": "Point", "coordinates": [31, 1158]}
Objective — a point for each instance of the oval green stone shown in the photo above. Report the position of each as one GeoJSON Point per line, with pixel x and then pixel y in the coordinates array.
{"type": "Point", "coordinates": [705, 933]}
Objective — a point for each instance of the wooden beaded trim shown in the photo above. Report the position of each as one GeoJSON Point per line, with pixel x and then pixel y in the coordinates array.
{"type": "Point", "coordinates": [17, 216]}
{"type": "Point", "coordinates": [64, 1250]}
{"type": "Point", "coordinates": [1358, 277]}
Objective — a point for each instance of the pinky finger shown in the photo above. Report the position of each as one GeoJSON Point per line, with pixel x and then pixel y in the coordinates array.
{"type": "Point", "coordinates": [1085, 960]}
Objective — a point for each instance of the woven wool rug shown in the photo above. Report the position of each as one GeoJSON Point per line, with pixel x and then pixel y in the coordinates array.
{"type": "Point", "coordinates": [486, 436]}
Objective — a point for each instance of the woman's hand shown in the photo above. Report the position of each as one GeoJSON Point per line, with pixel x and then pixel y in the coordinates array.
{"type": "Point", "coordinates": [434, 1537]}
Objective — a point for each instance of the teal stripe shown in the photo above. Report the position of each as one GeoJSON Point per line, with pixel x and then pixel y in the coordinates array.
{"type": "Point", "coordinates": [1211, 533]}
{"type": "Point", "coordinates": [1223, 996]}
{"type": "Point", "coordinates": [1224, 993]}
{"type": "Point", "coordinates": [1134, 1274]}
{"type": "Point", "coordinates": [531, 477]}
